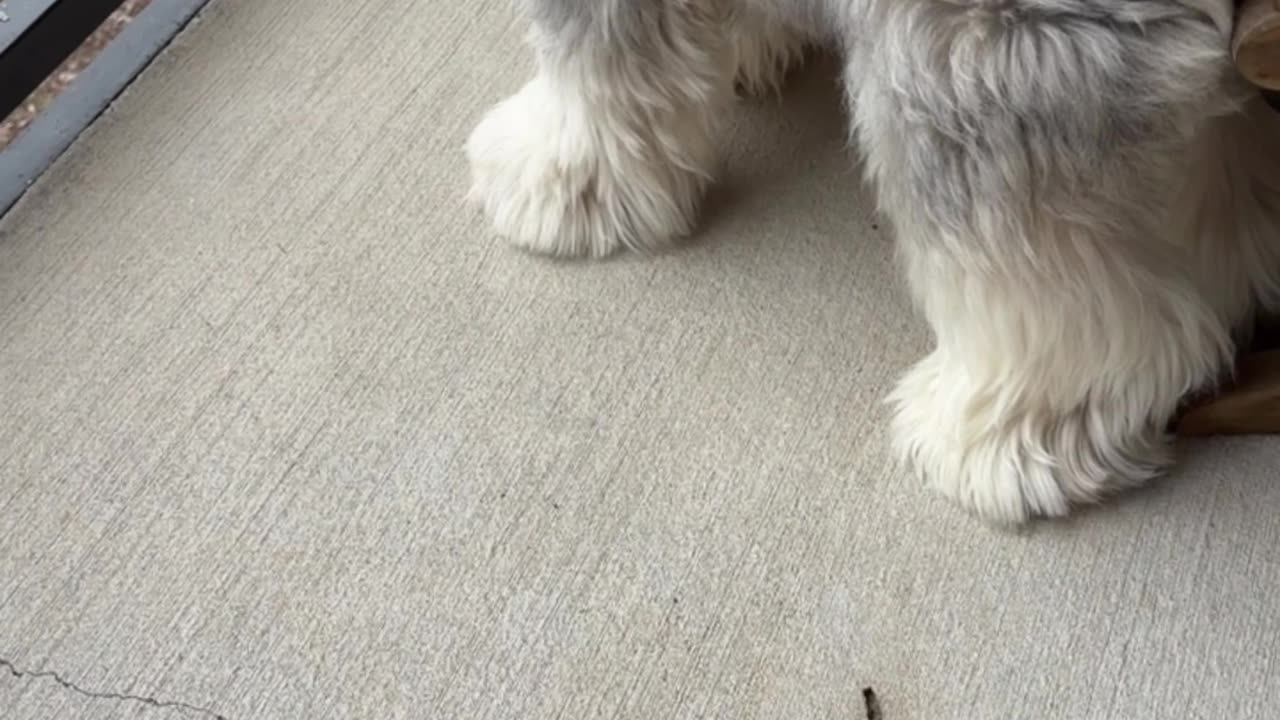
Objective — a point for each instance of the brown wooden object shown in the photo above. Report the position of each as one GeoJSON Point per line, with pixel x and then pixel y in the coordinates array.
{"type": "Point", "coordinates": [1249, 406]}
{"type": "Point", "coordinates": [1256, 43]}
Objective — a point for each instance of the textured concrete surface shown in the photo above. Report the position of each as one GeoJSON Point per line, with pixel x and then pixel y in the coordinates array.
{"type": "Point", "coordinates": [286, 434]}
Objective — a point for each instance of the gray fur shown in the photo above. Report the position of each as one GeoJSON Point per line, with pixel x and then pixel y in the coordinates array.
{"type": "Point", "coordinates": [636, 32]}
{"type": "Point", "coordinates": [1086, 199]}
{"type": "Point", "coordinates": [1072, 105]}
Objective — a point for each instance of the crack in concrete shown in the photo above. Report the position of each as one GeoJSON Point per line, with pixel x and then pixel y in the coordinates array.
{"type": "Point", "coordinates": [163, 704]}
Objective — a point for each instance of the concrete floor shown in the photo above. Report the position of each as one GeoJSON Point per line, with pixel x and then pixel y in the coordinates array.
{"type": "Point", "coordinates": [287, 434]}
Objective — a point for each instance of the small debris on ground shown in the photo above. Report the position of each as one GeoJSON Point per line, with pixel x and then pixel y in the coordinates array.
{"type": "Point", "coordinates": [873, 704]}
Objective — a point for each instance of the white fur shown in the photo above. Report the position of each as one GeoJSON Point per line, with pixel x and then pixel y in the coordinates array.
{"type": "Point", "coordinates": [1026, 409]}
{"type": "Point", "coordinates": [586, 163]}
{"type": "Point", "coordinates": [765, 50]}
{"type": "Point", "coordinates": [1077, 290]}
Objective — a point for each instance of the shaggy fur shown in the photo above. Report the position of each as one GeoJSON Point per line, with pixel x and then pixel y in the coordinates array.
{"type": "Point", "coordinates": [1085, 195]}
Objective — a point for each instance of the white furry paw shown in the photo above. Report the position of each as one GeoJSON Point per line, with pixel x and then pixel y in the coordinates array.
{"type": "Point", "coordinates": [558, 177]}
{"type": "Point", "coordinates": [1008, 465]}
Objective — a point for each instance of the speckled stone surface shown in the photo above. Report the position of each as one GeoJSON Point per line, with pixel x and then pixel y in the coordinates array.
{"type": "Point", "coordinates": [287, 434]}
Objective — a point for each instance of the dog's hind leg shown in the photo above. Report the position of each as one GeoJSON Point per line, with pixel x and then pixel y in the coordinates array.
{"type": "Point", "coordinates": [612, 144]}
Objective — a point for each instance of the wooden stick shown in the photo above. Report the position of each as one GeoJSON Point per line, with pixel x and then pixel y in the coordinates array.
{"type": "Point", "coordinates": [1255, 46]}
{"type": "Point", "coordinates": [1251, 406]}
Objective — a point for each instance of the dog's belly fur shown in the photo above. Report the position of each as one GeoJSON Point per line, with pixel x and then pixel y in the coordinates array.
{"type": "Point", "coordinates": [1085, 196]}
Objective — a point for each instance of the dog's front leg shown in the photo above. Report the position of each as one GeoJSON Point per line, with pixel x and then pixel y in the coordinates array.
{"type": "Point", "coordinates": [611, 145]}
{"type": "Point", "coordinates": [1044, 173]}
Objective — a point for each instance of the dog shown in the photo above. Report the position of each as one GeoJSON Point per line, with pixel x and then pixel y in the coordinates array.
{"type": "Point", "coordinates": [1085, 196]}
